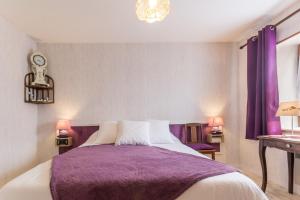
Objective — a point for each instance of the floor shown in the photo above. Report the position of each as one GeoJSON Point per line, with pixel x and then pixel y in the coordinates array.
{"type": "Point", "coordinates": [274, 192]}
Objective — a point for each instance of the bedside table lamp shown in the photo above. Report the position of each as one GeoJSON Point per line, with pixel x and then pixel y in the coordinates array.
{"type": "Point", "coordinates": [63, 127]}
{"type": "Point", "coordinates": [217, 124]}
{"type": "Point", "coordinates": [291, 108]}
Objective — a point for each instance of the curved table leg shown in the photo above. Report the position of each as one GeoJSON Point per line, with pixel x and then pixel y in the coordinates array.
{"type": "Point", "coordinates": [262, 156]}
{"type": "Point", "coordinates": [291, 159]}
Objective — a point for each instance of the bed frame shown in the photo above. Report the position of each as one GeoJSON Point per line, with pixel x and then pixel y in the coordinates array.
{"type": "Point", "coordinates": [80, 134]}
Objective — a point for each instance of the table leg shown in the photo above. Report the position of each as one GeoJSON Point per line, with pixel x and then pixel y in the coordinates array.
{"type": "Point", "coordinates": [291, 159]}
{"type": "Point", "coordinates": [213, 156]}
{"type": "Point", "coordinates": [262, 156]}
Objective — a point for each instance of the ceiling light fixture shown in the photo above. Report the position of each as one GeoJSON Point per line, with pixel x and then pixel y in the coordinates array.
{"type": "Point", "coordinates": [152, 10]}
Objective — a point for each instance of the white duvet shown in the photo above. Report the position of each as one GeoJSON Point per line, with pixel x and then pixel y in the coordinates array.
{"type": "Point", "coordinates": [34, 184]}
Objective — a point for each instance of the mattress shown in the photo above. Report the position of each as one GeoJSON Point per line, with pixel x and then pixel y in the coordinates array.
{"type": "Point", "coordinates": [34, 184]}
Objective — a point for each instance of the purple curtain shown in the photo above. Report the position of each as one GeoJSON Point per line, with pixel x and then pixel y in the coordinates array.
{"type": "Point", "coordinates": [263, 99]}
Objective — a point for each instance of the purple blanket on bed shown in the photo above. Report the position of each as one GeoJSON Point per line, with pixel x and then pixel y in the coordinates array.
{"type": "Point", "coordinates": [107, 172]}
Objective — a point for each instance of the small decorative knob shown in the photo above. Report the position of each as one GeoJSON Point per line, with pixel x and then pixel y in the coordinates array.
{"type": "Point", "coordinates": [288, 146]}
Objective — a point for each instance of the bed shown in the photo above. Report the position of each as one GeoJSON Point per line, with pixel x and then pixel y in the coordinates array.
{"type": "Point", "coordinates": [34, 184]}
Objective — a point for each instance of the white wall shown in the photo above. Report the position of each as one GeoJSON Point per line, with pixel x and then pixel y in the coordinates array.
{"type": "Point", "coordinates": [179, 82]}
{"type": "Point", "coordinates": [94, 82]}
{"type": "Point", "coordinates": [18, 120]}
{"type": "Point", "coordinates": [284, 30]}
{"type": "Point", "coordinates": [276, 159]}
{"type": "Point", "coordinates": [287, 58]}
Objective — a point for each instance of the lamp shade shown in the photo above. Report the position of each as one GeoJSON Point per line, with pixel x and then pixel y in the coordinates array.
{"type": "Point", "coordinates": [291, 108]}
{"type": "Point", "coordinates": [215, 121]}
{"type": "Point", "coordinates": [63, 125]}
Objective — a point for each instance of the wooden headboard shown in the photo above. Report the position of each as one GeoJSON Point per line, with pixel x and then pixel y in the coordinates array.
{"type": "Point", "coordinates": [81, 133]}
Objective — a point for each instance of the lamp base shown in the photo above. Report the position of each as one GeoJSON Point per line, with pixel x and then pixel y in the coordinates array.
{"type": "Point", "coordinates": [216, 132]}
{"type": "Point", "coordinates": [63, 136]}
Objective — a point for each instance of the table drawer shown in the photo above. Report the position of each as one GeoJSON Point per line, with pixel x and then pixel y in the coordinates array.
{"type": "Point", "coordinates": [283, 145]}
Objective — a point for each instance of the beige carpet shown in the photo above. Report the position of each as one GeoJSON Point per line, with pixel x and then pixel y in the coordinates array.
{"type": "Point", "coordinates": [274, 192]}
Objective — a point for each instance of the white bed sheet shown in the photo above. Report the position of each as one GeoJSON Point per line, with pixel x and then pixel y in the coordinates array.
{"type": "Point", "coordinates": [34, 184]}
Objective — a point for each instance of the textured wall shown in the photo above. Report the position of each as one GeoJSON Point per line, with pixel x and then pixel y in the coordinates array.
{"type": "Point", "coordinates": [287, 58]}
{"type": "Point", "coordinates": [179, 82]}
{"type": "Point", "coordinates": [287, 66]}
{"type": "Point", "coordinates": [18, 120]}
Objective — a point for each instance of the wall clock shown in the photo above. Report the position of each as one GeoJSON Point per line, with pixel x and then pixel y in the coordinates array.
{"type": "Point", "coordinates": [39, 68]}
{"type": "Point", "coordinates": [39, 60]}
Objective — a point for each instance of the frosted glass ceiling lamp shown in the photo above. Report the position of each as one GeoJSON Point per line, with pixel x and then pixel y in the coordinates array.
{"type": "Point", "coordinates": [152, 10]}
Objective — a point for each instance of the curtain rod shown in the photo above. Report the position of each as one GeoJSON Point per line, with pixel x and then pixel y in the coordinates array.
{"type": "Point", "coordinates": [280, 22]}
{"type": "Point", "coordinates": [289, 37]}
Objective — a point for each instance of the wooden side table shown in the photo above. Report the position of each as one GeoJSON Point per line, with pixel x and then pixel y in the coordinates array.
{"type": "Point", "coordinates": [211, 152]}
{"type": "Point", "coordinates": [290, 144]}
{"type": "Point", "coordinates": [215, 138]}
{"type": "Point", "coordinates": [64, 144]}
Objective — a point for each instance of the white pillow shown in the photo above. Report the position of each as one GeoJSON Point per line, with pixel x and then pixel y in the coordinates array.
{"type": "Point", "coordinates": [159, 132]}
{"type": "Point", "coordinates": [133, 132]}
{"type": "Point", "coordinates": [108, 132]}
{"type": "Point", "coordinates": [106, 135]}
{"type": "Point", "coordinates": [175, 139]}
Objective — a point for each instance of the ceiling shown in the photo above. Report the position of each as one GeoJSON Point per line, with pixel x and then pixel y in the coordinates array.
{"type": "Point", "coordinates": [114, 21]}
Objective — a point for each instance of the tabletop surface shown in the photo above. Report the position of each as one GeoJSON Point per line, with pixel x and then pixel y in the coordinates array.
{"type": "Point", "coordinates": [285, 138]}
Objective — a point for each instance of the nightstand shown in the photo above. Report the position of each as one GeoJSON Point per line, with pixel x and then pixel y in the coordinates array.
{"type": "Point", "coordinates": [215, 138]}
{"type": "Point", "coordinates": [63, 141]}
{"type": "Point", "coordinates": [64, 144]}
